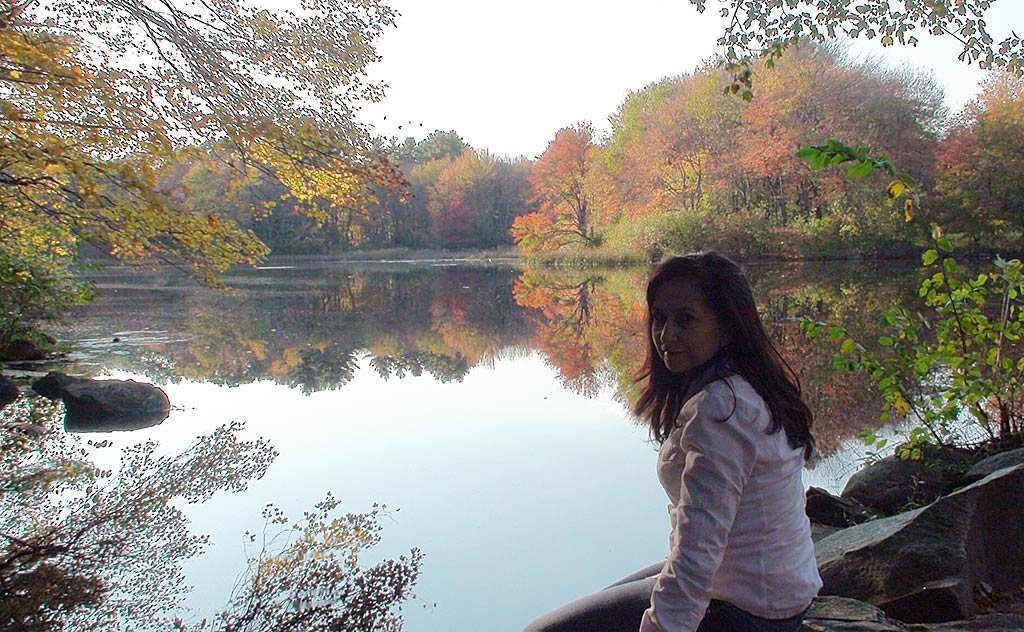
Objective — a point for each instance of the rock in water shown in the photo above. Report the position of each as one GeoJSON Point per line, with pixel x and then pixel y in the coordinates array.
{"type": "Point", "coordinates": [51, 386]}
{"type": "Point", "coordinates": [924, 566]}
{"type": "Point", "coordinates": [9, 392]}
{"type": "Point", "coordinates": [22, 351]}
{"type": "Point", "coordinates": [94, 405]}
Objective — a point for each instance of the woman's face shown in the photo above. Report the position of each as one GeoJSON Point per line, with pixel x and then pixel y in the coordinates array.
{"type": "Point", "coordinates": [685, 332]}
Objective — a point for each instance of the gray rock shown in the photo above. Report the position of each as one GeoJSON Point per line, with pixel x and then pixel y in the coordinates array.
{"type": "Point", "coordinates": [840, 614]}
{"type": "Point", "coordinates": [819, 531]}
{"type": "Point", "coordinates": [51, 386]}
{"type": "Point", "coordinates": [834, 511]}
{"type": "Point", "coordinates": [889, 485]}
{"type": "Point", "coordinates": [22, 351]}
{"type": "Point", "coordinates": [9, 392]}
{"type": "Point", "coordinates": [100, 405]}
{"type": "Point", "coordinates": [995, 462]}
{"type": "Point", "coordinates": [997, 622]}
{"type": "Point", "coordinates": [923, 566]}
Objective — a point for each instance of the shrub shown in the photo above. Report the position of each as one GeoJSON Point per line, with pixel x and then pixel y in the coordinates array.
{"type": "Point", "coordinates": [959, 360]}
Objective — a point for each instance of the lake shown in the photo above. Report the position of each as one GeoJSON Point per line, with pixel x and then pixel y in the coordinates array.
{"type": "Point", "coordinates": [484, 403]}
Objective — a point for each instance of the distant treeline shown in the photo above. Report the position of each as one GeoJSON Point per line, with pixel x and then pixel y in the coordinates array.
{"type": "Point", "coordinates": [686, 165]}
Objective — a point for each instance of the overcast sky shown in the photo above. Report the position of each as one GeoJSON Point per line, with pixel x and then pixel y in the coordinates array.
{"type": "Point", "coordinates": [506, 76]}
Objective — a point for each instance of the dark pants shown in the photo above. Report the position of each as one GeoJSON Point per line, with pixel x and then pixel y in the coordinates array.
{"type": "Point", "coordinates": [725, 617]}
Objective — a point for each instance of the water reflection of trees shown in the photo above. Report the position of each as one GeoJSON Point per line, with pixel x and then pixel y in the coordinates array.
{"type": "Point", "coordinates": [591, 328]}
{"type": "Point", "coordinates": [312, 329]}
{"type": "Point", "coordinates": [564, 314]}
{"type": "Point", "coordinates": [82, 548]}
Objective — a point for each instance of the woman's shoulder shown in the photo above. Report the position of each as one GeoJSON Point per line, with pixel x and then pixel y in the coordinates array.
{"type": "Point", "coordinates": [728, 397]}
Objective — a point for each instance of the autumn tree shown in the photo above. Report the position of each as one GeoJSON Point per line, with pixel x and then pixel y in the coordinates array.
{"type": "Point", "coordinates": [564, 189]}
{"type": "Point", "coordinates": [667, 141]}
{"type": "Point", "coordinates": [694, 168]}
{"type": "Point", "coordinates": [981, 162]}
{"type": "Point", "coordinates": [439, 144]}
{"type": "Point", "coordinates": [819, 92]}
{"type": "Point", "coordinates": [97, 96]}
{"type": "Point", "coordinates": [475, 199]}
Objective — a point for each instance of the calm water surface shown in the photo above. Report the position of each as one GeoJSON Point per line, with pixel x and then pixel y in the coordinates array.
{"type": "Point", "coordinates": [484, 404]}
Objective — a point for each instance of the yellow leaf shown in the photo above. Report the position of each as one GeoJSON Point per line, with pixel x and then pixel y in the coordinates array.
{"type": "Point", "coordinates": [908, 209]}
{"type": "Point", "coordinates": [896, 189]}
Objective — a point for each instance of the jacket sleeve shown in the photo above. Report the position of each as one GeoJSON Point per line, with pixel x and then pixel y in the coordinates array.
{"type": "Point", "coordinates": [719, 457]}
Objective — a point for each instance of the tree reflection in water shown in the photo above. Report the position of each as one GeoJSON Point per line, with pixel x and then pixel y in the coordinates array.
{"type": "Point", "coordinates": [312, 328]}
{"type": "Point", "coordinates": [591, 329]}
{"type": "Point", "coordinates": [82, 548]}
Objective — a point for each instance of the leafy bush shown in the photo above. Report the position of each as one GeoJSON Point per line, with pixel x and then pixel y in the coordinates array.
{"type": "Point", "coordinates": [874, 230]}
{"type": "Point", "coordinates": [37, 285]}
{"type": "Point", "coordinates": [959, 360]}
{"type": "Point", "coordinates": [739, 233]}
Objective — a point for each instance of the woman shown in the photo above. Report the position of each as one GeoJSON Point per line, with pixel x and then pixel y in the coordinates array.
{"type": "Point", "coordinates": [735, 433]}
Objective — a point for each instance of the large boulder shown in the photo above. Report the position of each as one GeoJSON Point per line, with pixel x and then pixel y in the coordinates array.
{"type": "Point", "coordinates": [891, 484]}
{"type": "Point", "coordinates": [840, 614]}
{"type": "Point", "coordinates": [97, 405]}
{"type": "Point", "coordinates": [996, 622]}
{"type": "Point", "coordinates": [986, 466]}
{"type": "Point", "coordinates": [619, 607]}
{"type": "Point", "coordinates": [52, 385]}
{"type": "Point", "coordinates": [926, 565]}
{"type": "Point", "coordinates": [105, 405]}
{"type": "Point", "coordinates": [9, 392]}
{"type": "Point", "coordinates": [827, 509]}
{"type": "Point", "coordinates": [21, 351]}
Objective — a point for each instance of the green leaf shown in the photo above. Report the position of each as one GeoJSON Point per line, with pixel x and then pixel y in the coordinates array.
{"type": "Point", "coordinates": [860, 170]}
{"type": "Point", "coordinates": [848, 346]}
{"type": "Point", "coordinates": [944, 245]}
{"type": "Point", "coordinates": [929, 257]}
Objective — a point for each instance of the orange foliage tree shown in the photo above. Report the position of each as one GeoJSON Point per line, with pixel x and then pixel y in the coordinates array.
{"type": "Point", "coordinates": [981, 161]}
{"type": "Point", "coordinates": [564, 187]}
{"type": "Point", "coordinates": [474, 200]}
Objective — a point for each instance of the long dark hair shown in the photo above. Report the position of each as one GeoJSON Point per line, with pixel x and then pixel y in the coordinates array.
{"type": "Point", "coordinates": [750, 353]}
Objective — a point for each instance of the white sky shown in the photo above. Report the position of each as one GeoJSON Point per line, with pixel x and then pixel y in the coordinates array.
{"type": "Point", "coordinates": [506, 76]}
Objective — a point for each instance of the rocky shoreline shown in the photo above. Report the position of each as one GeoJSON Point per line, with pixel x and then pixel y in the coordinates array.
{"type": "Point", "coordinates": [930, 545]}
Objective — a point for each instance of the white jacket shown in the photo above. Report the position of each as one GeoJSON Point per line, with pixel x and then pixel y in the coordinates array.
{"type": "Point", "coordinates": [739, 529]}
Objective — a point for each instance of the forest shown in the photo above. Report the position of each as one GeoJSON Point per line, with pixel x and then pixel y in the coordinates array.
{"type": "Point", "coordinates": [686, 166]}
{"type": "Point", "coordinates": [224, 152]}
